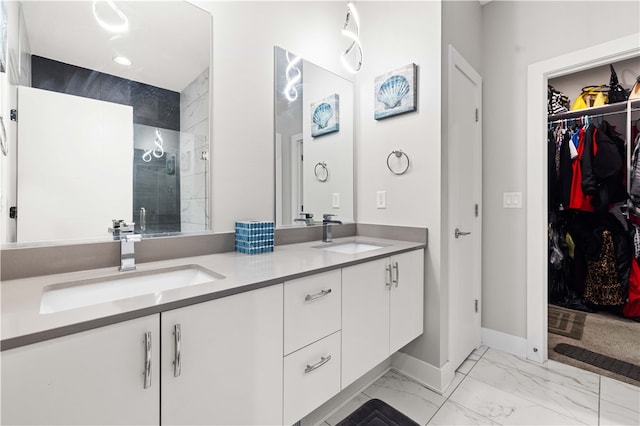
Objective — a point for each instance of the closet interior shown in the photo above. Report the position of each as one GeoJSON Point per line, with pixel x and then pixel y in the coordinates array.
{"type": "Point", "coordinates": [594, 207]}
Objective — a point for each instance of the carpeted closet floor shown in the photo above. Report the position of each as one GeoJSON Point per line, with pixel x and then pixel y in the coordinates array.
{"type": "Point", "coordinates": [603, 334]}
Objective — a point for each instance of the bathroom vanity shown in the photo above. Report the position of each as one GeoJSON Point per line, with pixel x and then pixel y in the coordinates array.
{"type": "Point", "coordinates": [269, 340]}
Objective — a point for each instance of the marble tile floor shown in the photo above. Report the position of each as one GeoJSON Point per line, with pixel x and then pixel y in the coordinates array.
{"type": "Point", "coordinates": [495, 388]}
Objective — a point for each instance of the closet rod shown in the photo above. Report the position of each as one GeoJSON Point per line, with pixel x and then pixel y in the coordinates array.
{"type": "Point", "coordinates": [591, 116]}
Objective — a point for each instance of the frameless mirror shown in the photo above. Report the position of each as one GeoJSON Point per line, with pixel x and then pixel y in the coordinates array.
{"type": "Point", "coordinates": [113, 118]}
{"type": "Point", "coordinates": [313, 142]}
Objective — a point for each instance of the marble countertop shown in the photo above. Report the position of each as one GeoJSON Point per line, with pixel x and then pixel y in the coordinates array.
{"type": "Point", "coordinates": [22, 322]}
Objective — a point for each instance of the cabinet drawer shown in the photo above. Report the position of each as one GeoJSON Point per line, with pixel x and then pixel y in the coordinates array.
{"type": "Point", "coordinates": [311, 309]}
{"type": "Point", "coordinates": [311, 377]}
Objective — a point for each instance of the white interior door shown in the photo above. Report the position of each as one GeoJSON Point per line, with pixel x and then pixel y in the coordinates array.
{"type": "Point", "coordinates": [75, 165]}
{"type": "Point", "coordinates": [465, 194]}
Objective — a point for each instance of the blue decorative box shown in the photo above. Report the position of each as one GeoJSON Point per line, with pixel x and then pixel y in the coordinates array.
{"type": "Point", "coordinates": [253, 237]}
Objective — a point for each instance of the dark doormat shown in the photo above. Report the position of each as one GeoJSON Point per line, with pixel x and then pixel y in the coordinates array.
{"type": "Point", "coordinates": [617, 366]}
{"type": "Point", "coordinates": [377, 413]}
{"type": "Point", "coordinates": [566, 322]}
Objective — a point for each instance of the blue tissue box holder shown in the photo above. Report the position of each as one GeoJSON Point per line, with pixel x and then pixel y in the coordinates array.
{"type": "Point", "coordinates": [254, 237]}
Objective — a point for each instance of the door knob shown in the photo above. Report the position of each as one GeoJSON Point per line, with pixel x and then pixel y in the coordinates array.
{"type": "Point", "coordinates": [458, 233]}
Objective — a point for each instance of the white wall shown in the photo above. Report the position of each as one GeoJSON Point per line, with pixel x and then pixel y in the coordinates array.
{"type": "Point", "coordinates": [517, 34]}
{"type": "Point", "coordinates": [412, 33]}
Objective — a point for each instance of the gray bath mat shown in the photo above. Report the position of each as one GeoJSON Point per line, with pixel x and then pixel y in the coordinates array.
{"type": "Point", "coordinates": [617, 366]}
{"type": "Point", "coordinates": [377, 413]}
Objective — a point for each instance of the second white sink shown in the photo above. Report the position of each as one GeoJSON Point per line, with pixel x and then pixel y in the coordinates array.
{"type": "Point", "coordinates": [62, 297]}
{"type": "Point", "coordinates": [350, 247]}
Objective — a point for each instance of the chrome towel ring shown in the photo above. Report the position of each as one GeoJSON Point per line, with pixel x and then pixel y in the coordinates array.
{"type": "Point", "coordinates": [321, 171]}
{"type": "Point", "coordinates": [398, 154]}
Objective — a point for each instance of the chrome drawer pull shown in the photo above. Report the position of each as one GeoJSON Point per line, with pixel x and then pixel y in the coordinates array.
{"type": "Point", "coordinates": [323, 293]}
{"type": "Point", "coordinates": [323, 361]}
{"type": "Point", "coordinates": [147, 360]}
{"type": "Point", "coordinates": [177, 338]}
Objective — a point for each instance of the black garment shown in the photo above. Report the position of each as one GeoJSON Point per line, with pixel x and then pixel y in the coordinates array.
{"type": "Point", "coordinates": [602, 171]}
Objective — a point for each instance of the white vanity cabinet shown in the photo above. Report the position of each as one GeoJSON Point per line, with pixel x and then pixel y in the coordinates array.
{"type": "Point", "coordinates": [93, 377]}
{"type": "Point", "coordinates": [382, 310]}
{"type": "Point", "coordinates": [229, 369]}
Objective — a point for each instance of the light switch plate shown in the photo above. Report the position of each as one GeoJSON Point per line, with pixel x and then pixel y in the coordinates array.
{"type": "Point", "coordinates": [512, 200]}
{"type": "Point", "coordinates": [335, 200]}
{"type": "Point", "coordinates": [381, 199]}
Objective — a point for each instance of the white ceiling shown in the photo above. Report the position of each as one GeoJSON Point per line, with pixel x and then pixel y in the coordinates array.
{"type": "Point", "coordinates": [168, 41]}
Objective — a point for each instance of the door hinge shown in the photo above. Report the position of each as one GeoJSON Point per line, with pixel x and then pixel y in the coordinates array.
{"type": "Point", "coordinates": [13, 212]}
{"type": "Point", "coordinates": [476, 305]}
{"type": "Point", "coordinates": [476, 210]}
{"type": "Point", "coordinates": [477, 115]}
{"type": "Point", "coordinates": [13, 115]}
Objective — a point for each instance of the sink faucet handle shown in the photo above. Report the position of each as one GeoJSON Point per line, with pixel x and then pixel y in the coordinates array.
{"type": "Point", "coordinates": [327, 216]}
{"type": "Point", "coordinates": [127, 227]}
{"type": "Point", "coordinates": [307, 215]}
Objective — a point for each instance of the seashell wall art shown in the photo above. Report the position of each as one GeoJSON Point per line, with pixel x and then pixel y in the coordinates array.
{"type": "Point", "coordinates": [395, 92]}
{"type": "Point", "coordinates": [325, 117]}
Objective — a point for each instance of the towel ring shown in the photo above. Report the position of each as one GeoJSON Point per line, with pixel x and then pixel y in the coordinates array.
{"type": "Point", "coordinates": [399, 154]}
{"type": "Point", "coordinates": [322, 173]}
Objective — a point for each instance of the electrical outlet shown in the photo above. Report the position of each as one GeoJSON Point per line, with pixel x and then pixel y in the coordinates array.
{"type": "Point", "coordinates": [335, 203]}
{"type": "Point", "coordinates": [381, 199]}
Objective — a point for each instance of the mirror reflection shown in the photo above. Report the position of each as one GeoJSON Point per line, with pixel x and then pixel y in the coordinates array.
{"type": "Point", "coordinates": [313, 142]}
{"type": "Point", "coordinates": [113, 106]}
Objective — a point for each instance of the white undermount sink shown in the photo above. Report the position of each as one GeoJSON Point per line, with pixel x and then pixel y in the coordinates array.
{"type": "Point", "coordinates": [124, 285]}
{"type": "Point", "coordinates": [350, 247]}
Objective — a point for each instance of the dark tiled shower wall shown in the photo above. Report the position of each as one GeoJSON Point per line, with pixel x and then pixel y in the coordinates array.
{"type": "Point", "coordinates": [152, 106]}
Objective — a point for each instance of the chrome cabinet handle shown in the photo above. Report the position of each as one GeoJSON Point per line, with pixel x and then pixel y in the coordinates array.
{"type": "Point", "coordinates": [323, 293]}
{"type": "Point", "coordinates": [458, 233]}
{"type": "Point", "coordinates": [396, 268]}
{"type": "Point", "coordinates": [147, 360]}
{"type": "Point", "coordinates": [177, 337]}
{"type": "Point", "coordinates": [389, 278]}
{"type": "Point", "coordinates": [323, 361]}
{"type": "Point", "coordinates": [143, 219]}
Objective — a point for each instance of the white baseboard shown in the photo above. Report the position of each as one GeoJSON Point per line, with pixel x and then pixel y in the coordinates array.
{"type": "Point", "coordinates": [435, 378]}
{"type": "Point", "coordinates": [504, 342]}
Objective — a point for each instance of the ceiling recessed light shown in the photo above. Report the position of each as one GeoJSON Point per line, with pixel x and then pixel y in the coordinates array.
{"type": "Point", "coordinates": [122, 60]}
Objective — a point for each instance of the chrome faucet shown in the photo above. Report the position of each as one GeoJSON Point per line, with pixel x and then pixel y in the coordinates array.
{"type": "Point", "coordinates": [307, 218]}
{"type": "Point", "coordinates": [326, 227]}
{"type": "Point", "coordinates": [125, 231]}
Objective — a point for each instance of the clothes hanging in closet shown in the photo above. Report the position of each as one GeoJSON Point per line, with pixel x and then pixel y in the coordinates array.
{"type": "Point", "coordinates": [590, 245]}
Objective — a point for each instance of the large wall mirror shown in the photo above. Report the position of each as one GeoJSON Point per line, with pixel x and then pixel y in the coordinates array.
{"type": "Point", "coordinates": [314, 164]}
{"type": "Point", "coordinates": [113, 103]}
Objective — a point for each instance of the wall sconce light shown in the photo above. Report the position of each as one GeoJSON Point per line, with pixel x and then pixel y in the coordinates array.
{"type": "Point", "coordinates": [293, 75]}
{"type": "Point", "coordinates": [355, 46]}
{"type": "Point", "coordinates": [115, 26]}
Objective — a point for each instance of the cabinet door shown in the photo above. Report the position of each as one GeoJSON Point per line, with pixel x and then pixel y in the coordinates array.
{"type": "Point", "coordinates": [407, 299]}
{"type": "Point", "coordinates": [230, 361]}
{"type": "Point", "coordinates": [365, 318]}
{"type": "Point", "coordinates": [93, 377]}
